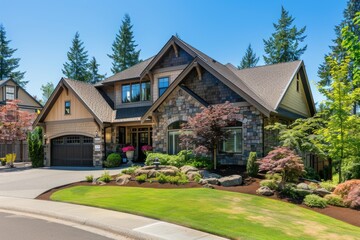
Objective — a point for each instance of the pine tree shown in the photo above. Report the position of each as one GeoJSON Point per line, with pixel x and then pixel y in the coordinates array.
{"type": "Point", "coordinates": [77, 67]}
{"type": "Point", "coordinates": [249, 59]}
{"type": "Point", "coordinates": [283, 45]}
{"type": "Point", "coordinates": [8, 64]}
{"type": "Point", "coordinates": [124, 54]}
{"type": "Point", "coordinates": [94, 71]}
{"type": "Point", "coordinates": [47, 90]}
{"type": "Point", "coordinates": [337, 51]}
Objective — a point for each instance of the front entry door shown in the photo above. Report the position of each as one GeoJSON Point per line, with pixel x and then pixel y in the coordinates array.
{"type": "Point", "coordinates": [140, 137]}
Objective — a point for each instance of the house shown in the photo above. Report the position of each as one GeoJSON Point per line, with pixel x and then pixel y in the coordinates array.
{"type": "Point", "coordinates": [10, 90]}
{"type": "Point", "coordinates": [146, 104]}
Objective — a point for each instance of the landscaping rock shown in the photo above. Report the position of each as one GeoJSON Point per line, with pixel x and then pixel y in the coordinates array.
{"type": "Point", "coordinates": [192, 175]}
{"type": "Point", "coordinates": [185, 169]}
{"type": "Point", "coordinates": [207, 174]}
{"type": "Point", "coordinates": [208, 186]}
{"type": "Point", "coordinates": [303, 186]}
{"type": "Point", "coordinates": [168, 172]}
{"type": "Point", "coordinates": [212, 181]}
{"type": "Point", "coordinates": [265, 191]}
{"type": "Point", "coordinates": [151, 171]}
{"type": "Point", "coordinates": [101, 183]}
{"type": "Point", "coordinates": [321, 192]}
{"type": "Point", "coordinates": [123, 179]}
{"type": "Point", "coordinates": [233, 180]}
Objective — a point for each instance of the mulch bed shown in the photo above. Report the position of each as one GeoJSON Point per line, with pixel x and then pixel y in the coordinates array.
{"type": "Point", "coordinates": [251, 185]}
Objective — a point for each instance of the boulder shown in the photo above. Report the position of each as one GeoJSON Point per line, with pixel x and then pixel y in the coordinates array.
{"type": "Point", "coordinates": [168, 172]}
{"type": "Point", "coordinates": [212, 181]}
{"type": "Point", "coordinates": [185, 169]}
{"type": "Point", "coordinates": [101, 183]}
{"type": "Point", "coordinates": [141, 171]}
{"type": "Point", "coordinates": [151, 171]}
{"type": "Point", "coordinates": [321, 192]}
{"type": "Point", "coordinates": [233, 180]}
{"type": "Point", "coordinates": [123, 179]}
{"type": "Point", "coordinates": [208, 186]}
{"type": "Point", "coordinates": [207, 174]}
{"type": "Point", "coordinates": [192, 175]}
{"type": "Point", "coordinates": [303, 186]}
{"type": "Point", "coordinates": [265, 191]}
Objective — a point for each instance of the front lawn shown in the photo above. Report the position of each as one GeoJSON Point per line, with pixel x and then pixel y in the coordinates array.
{"type": "Point", "coordinates": [233, 215]}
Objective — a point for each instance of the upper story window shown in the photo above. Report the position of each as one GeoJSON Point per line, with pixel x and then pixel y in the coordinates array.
{"type": "Point", "coordinates": [67, 107]}
{"type": "Point", "coordinates": [9, 93]}
{"type": "Point", "coordinates": [135, 92]}
{"type": "Point", "coordinates": [163, 85]}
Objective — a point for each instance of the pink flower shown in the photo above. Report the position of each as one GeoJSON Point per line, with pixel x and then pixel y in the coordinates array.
{"type": "Point", "coordinates": [146, 148]}
{"type": "Point", "coordinates": [128, 148]}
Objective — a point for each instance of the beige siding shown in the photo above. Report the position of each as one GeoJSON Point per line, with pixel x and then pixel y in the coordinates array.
{"type": "Point", "coordinates": [26, 99]}
{"type": "Point", "coordinates": [295, 101]}
{"type": "Point", "coordinates": [109, 90]}
{"type": "Point", "coordinates": [57, 112]}
{"type": "Point", "coordinates": [172, 75]}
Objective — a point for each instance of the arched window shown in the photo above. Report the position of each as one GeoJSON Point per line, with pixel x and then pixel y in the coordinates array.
{"type": "Point", "coordinates": [174, 137]}
{"type": "Point", "coordinates": [234, 143]}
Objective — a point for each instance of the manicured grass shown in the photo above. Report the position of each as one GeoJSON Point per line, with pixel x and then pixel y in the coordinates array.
{"type": "Point", "coordinates": [233, 215]}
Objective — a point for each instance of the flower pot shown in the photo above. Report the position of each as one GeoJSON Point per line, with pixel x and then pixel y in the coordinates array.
{"type": "Point", "coordinates": [130, 155]}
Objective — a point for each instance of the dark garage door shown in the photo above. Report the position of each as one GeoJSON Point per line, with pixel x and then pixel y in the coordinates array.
{"type": "Point", "coordinates": [72, 150]}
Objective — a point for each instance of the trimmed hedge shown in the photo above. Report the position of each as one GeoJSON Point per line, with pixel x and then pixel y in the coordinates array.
{"type": "Point", "coordinates": [113, 160]}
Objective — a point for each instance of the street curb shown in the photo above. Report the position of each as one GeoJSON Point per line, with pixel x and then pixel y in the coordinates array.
{"type": "Point", "coordinates": [83, 221]}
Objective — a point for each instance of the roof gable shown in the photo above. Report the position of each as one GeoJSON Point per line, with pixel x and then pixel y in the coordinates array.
{"type": "Point", "coordinates": [86, 94]}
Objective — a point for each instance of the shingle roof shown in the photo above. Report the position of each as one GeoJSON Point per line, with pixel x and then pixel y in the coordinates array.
{"type": "Point", "coordinates": [134, 112]}
{"type": "Point", "coordinates": [270, 81]}
{"type": "Point", "coordinates": [3, 81]}
{"type": "Point", "coordinates": [92, 99]}
{"type": "Point", "coordinates": [130, 73]}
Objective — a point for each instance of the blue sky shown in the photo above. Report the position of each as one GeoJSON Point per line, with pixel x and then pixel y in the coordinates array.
{"type": "Point", "coordinates": [42, 30]}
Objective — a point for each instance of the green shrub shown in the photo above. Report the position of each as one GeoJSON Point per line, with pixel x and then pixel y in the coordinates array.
{"type": "Point", "coordinates": [301, 193]}
{"type": "Point", "coordinates": [89, 178]}
{"type": "Point", "coordinates": [310, 173]}
{"type": "Point", "coordinates": [113, 160]}
{"type": "Point", "coordinates": [180, 178]}
{"type": "Point", "coordinates": [164, 159]}
{"type": "Point", "coordinates": [35, 145]}
{"type": "Point", "coordinates": [141, 178]}
{"type": "Point", "coordinates": [313, 200]}
{"type": "Point", "coordinates": [105, 177]}
{"type": "Point", "coordinates": [3, 162]}
{"type": "Point", "coordinates": [130, 170]}
{"type": "Point", "coordinates": [272, 184]}
{"type": "Point", "coordinates": [273, 176]}
{"type": "Point", "coordinates": [252, 167]}
{"type": "Point", "coordinates": [313, 186]}
{"type": "Point", "coordinates": [197, 178]}
{"type": "Point", "coordinates": [328, 185]}
{"type": "Point", "coordinates": [334, 200]}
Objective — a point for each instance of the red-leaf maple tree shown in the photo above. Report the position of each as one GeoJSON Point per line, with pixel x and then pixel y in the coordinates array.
{"type": "Point", "coordinates": [205, 130]}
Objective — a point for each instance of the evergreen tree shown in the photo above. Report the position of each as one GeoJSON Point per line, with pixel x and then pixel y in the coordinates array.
{"type": "Point", "coordinates": [283, 45]}
{"type": "Point", "coordinates": [124, 54]}
{"type": "Point", "coordinates": [94, 71]}
{"type": "Point", "coordinates": [77, 66]}
{"type": "Point", "coordinates": [8, 64]}
{"type": "Point", "coordinates": [249, 59]}
{"type": "Point", "coordinates": [47, 90]}
{"type": "Point", "coordinates": [337, 51]}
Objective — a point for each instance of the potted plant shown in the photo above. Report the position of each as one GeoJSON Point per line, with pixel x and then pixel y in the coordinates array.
{"type": "Point", "coordinates": [146, 149]}
{"type": "Point", "coordinates": [129, 151]}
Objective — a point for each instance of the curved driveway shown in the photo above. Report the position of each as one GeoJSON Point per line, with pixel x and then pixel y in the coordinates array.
{"type": "Point", "coordinates": [31, 182]}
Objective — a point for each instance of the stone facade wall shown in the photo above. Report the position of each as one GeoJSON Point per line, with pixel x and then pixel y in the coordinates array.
{"type": "Point", "coordinates": [209, 88]}
{"type": "Point", "coordinates": [86, 127]}
{"type": "Point", "coordinates": [178, 106]}
{"type": "Point", "coordinates": [169, 59]}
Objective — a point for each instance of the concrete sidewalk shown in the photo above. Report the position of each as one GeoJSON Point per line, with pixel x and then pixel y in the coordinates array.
{"type": "Point", "coordinates": [124, 224]}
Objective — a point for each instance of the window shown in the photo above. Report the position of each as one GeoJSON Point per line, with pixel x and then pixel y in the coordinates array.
{"type": "Point", "coordinates": [163, 85]}
{"type": "Point", "coordinates": [297, 82]}
{"type": "Point", "coordinates": [126, 93]}
{"type": "Point", "coordinates": [135, 92]}
{"type": "Point", "coordinates": [174, 137]}
{"type": "Point", "coordinates": [234, 142]}
{"type": "Point", "coordinates": [108, 135]}
{"type": "Point", "coordinates": [145, 91]}
{"type": "Point", "coordinates": [10, 93]}
{"type": "Point", "coordinates": [67, 107]}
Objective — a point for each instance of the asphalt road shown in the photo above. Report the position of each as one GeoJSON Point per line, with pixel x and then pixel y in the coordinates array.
{"type": "Point", "coordinates": [16, 226]}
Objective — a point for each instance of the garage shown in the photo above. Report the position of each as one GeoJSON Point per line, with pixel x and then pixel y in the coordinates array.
{"type": "Point", "coordinates": [72, 150]}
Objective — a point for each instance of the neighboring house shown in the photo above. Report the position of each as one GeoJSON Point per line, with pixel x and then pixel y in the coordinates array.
{"type": "Point", "coordinates": [10, 90]}
{"type": "Point", "coordinates": [146, 104]}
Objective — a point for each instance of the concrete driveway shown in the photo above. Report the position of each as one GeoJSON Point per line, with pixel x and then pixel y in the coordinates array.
{"type": "Point", "coordinates": [29, 183]}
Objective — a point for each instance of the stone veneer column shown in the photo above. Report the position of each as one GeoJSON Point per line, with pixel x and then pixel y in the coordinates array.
{"type": "Point", "coordinates": [98, 150]}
